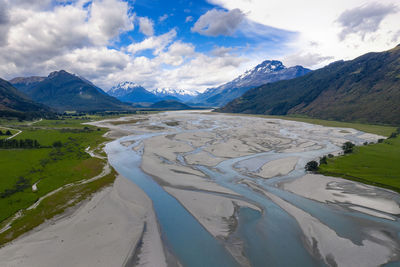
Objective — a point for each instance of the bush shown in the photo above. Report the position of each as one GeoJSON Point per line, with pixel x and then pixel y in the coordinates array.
{"type": "Point", "coordinates": [57, 144]}
{"type": "Point", "coordinates": [393, 135]}
{"type": "Point", "coordinates": [381, 140]}
{"type": "Point", "coordinates": [348, 147]}
{"type": "Point", "coordinates": [323, 160]}
{"type": "Point", "coordinates": [8, 132]}
{"type": "Point", "coordinates": [311, 166]}
{"type": "Point", "coordinates": [330, 156]}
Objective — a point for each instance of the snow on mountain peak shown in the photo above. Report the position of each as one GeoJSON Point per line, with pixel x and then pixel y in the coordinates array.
{"type": "Point", "coordinates": [125, 86]}
{"type": "Point", "coordinates": [174, 92]}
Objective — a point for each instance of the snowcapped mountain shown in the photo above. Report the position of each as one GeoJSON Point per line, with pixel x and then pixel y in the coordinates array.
{"type": "Point", "coordinates": [180, 94]}
{"type": "Point", "coordinates": [133, 93]}
{"type": "Point", "coordinates": [268, 71]}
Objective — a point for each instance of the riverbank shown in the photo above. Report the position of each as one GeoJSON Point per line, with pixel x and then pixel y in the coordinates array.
{"type": "Point", "coordinates": [201, 173]}
{"type": "Point", "coordinates": [209, 164]}
{"type": "Point", "coordinates": [104, 231]}
{"type": "Point", "coordinates": [373, 164]}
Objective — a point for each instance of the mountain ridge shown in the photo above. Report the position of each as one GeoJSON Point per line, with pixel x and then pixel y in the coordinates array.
{"type": "Point", "coordinates": [15, 104]}
{"type": "Point", "coordinates": [65, 91]}
{"type": "Point", "coordinates": [365, 89]}
{"type": "Point", "coordinates": [268, 71]}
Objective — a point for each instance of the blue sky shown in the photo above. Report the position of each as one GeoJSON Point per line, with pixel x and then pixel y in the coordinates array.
{"type": "Point", "coordinates": [182, 15]}
{"type": "Point", "coordinates": [189, 45]}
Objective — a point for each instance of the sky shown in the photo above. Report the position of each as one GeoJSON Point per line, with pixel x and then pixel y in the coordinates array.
{"type": "Point", "coordinates": [192, 45]}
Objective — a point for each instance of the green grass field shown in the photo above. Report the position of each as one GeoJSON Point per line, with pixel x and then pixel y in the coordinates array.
{"type": "Point", "coordinates": [50, 167]}
{"type": "Point", "coordinates": [375, 164]}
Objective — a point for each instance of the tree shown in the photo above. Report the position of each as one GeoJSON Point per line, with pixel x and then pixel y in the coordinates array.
{"type": "Point", "coordinates": [323, 160]}
{"type": "Point", "coordinates": [348, 147]}
{"type": "Point", "coordinates": [311, 166]}
{"type": "Point", "coordinates": [8, 132]}
{"type": "Point", "coordinates": [393, 135]}
{"type": "Point", "coordinates": [1, 132]}
{"type": "Point", "coordinates": [57, 144]}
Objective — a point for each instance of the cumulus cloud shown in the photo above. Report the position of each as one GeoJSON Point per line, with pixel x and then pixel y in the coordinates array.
{"type": "Point", "coordinates": [317, 21]}
{"type": "Point", "coordinates": [218, 22]}
{"type": "Point", "coordinates": [155, 43]}
{"type": "Point", "coordinates": [308, 60]}
{"type": "Point", "coordinates": [177, 52]}
{"type": "Point", "coordinates": [4, 22]}
{"type": "Point", "coordinates": [109, 18]}
{"type": "Point", "coordinates": [36, 38]}
{"type": "Point", "coordinates": [364, 19]}
{"type": "Point", "coordinates": [146, 26]}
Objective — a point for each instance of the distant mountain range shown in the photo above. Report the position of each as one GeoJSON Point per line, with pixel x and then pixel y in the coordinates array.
{"type": "Point", "coordinates": [170, 105]}
{"type": "Point", "coordinates": [134, 93]}
{"type": "Point", "coordinates": [268, 71]}
{"type": "Point", "coordinates": [366, 89]}
{"type": "Point", "coordinates": [15, 104]}
{"type": "Point", "coordinates": [179, 94]}
{"type": "Point", "coordinates": [65, 91]}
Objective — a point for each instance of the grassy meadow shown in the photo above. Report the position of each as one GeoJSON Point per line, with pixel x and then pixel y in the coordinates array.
{"type": "Point", "coordinates": [375, 164]}
{"type": "Point", "coordinates": [60, 160]}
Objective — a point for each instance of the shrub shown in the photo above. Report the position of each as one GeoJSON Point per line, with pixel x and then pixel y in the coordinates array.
{"type": "Point", "coordinates": [311, 166]}
{"type": "Point", "coordinates": [57, 144]}
{"type": "Point", "coordinates": [348, 147]}
{"type": "Point", "coordinates": [8, 132]}
{"type": "Point", "coordinates": [393, 135]}
{"type": "Point", "coordinates": [323, 160]}
{"type": "Point", "coordinates": [330, 156]}
{"type": "Point", "coordinates": [381, 140]}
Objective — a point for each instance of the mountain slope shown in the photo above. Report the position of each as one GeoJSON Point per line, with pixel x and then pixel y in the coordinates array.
{"type": "Point", "coordinates": [133, 93]}
{"type": "Point", "coordinates": [15, 104]}
{"type": "Point", "coordinates": [268, 71]}
{"type": "Point", "coordinates": [64, 91]}
{"type": "Point", "coordinates": [170, 105]}
{"type": "Point", "coordinates": [366, 89]}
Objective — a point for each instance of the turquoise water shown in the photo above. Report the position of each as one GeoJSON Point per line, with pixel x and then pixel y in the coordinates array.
{"type": "Point", "coordinates": [185, 236]}
{"type": "Point", "coordinates": [271, 238]}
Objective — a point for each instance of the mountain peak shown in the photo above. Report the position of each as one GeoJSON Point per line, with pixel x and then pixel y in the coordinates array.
{"type": "Point", "coordinates": [58, 73]}
{"type": "Point", "coordinates": [174, 92]}
{"type": "Point", "coordinates": [125, 86]}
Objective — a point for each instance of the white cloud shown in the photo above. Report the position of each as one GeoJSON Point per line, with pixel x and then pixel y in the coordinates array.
{"type": "Point", "coordinates": [163, 17]}
{"type": "Point", "coordinates": [176, 54]}
{"type": "Point", "coordinates": [108, 18]}
{"type": "Point", "coordinates": [317, 21]}
{"type": "Point", "coordinates": [306, 59]}
{"type": "Point", "coordinates": [155, 43]}
{"type": "Point", "coordinates": [364, 19]}
{"type": "Point", "coordinates": [4, 22]}
{"type": "Point", "coordinates": [218, 22]}
{"type": "Point", "coordinates": [146, 26]}
{"type": "Point", "coordinates": [37, 37]}
{"type": "Point", "coordinates": [189, 19]}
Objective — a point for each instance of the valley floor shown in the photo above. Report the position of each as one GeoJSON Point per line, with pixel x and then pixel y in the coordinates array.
{"type": "Point", "coordinates": [243, 181]}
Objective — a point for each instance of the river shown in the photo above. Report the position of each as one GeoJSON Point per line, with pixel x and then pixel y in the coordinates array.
{"type": "Point", "coordinates": [290, 228]}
